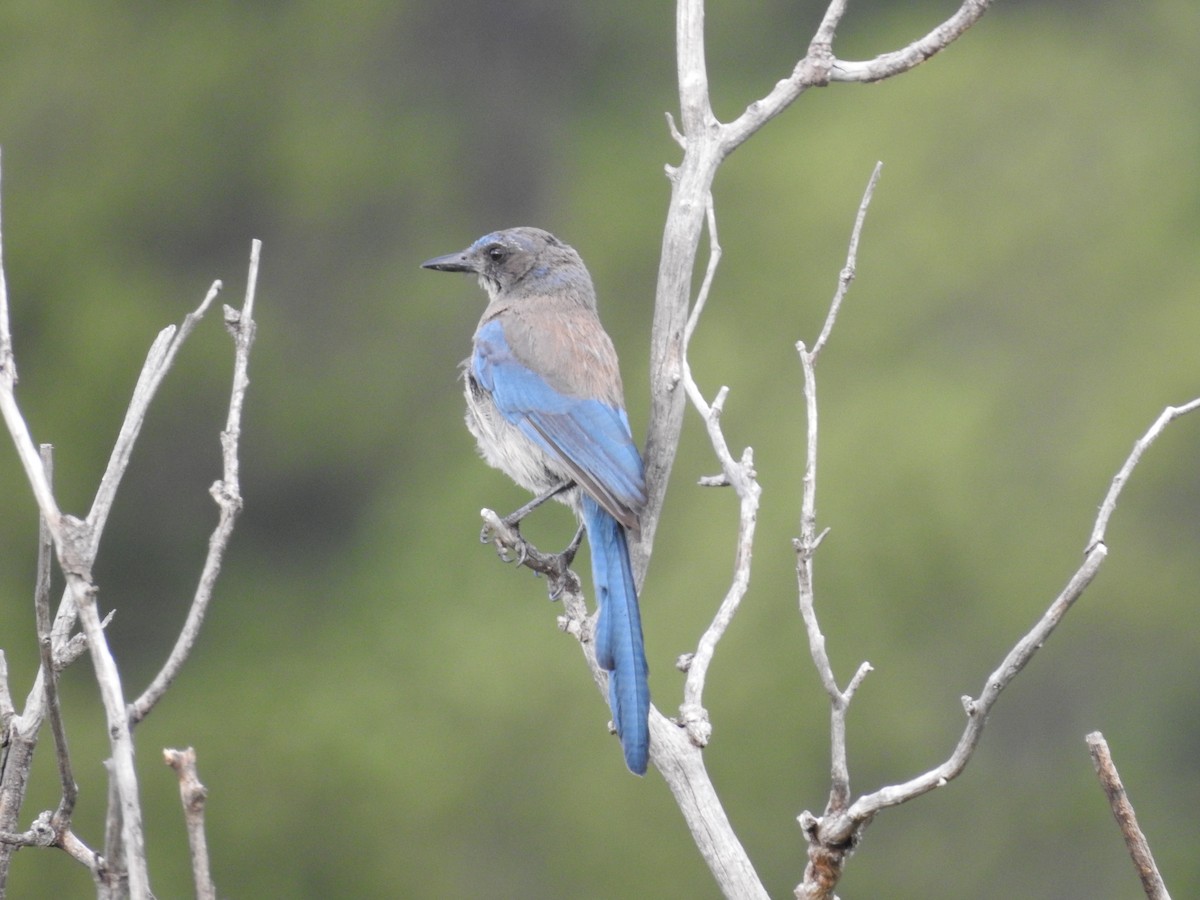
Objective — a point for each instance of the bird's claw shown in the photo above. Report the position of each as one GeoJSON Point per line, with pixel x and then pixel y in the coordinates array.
{"type": "Point", "coordinates": [504, 544]}
{"type": "Point", "coordinates": [562, 580]}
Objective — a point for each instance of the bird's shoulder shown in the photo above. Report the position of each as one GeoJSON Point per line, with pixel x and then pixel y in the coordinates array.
{"type": "Point", "coordinates": [561, 341]}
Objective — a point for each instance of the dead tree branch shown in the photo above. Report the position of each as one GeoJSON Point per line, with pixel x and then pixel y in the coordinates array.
{"type": "Point", "coordinates": [122, 869]}
{"type": "Point", "coordinates": [706, 142]}
{"type": "Point", "coordinates": [193, 795]}
{"type": "Point", "coordinates": [830, 836]}
{"type": "Point", "coordinates": [1122, 810]}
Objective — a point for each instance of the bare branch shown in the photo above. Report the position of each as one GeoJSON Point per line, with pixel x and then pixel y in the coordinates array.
{"type": "Point", "coordinates": [706, 142]}
{"type": "Point", "coordinates": [848, 271]}
{"type": "Point", "coordinates": [76, 543]}
{"type": "Point", "coordinates": [123, 869]}
{"type": "Point", "coordinates": [834, 833]}
{"type": "Point", "coordinates": [710, 272]}
{"type": "Point", "coordinates": [900, 61]}
{"type": "Point", "coordinates": [741, 476]}
{"type": "Point", "coordinates": [193, 795]}
{"type": "Point", "coordinates": [26, 451]}
{"type": "Point", "coordinates": [682, 765]}
{"type": "Point", "coordinates": [83, 854]}
{"type": "Point", "coordinates": [806, 547]}
{"type": "Point", "coordinates": [819, 67]}
{"type": "Point", "coordinates": [123, 771]}
{"type": "Point", "coordinates": [114, 843]}
{"type": "Point", "coordinates": [691, 68]}
{"type": "Point", "coordinates": [1109, 505]}
{"type": "Point", "coordinates": [226, 492]}
{"type": "Point", "coordinates": [39, 834]}
{"type": "Point", "coordinates": [62, 816]}
{"type": "Point", "coordinates": [830, 22]}
{"type": "Point", "coordinates": [1122, 809]}
{"type": "Point", "coordinates": [158, 362]}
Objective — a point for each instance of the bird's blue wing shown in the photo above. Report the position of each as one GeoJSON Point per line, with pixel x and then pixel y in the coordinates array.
{"type": "Point", "coordinates": [591, 437]}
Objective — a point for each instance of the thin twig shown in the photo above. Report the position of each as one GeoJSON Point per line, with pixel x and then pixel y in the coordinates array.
{"type": "Point", "coordinates": [820, 67]}
{"type": "Point", "coordinates": [158, 362]}
{"type": "Point", "coordinates": [832, 834]}
{"type": "Point", "coordinates": [740, 474]}
{"type": "Point", "coordinates": [710, 272]}
{"type": "Point", "coordinates": [888, 65]}
{"type": "Point", "coordinates": [226, 492]}
{"type": "Point", "coordinates": [1109, 504]}
{"type": "Point", "coordinates": [848, 271]}
{"type": "Point", "coordinates": [806, 545]}
{"type": "Point", "coordinates": [1122, 810]}
{"type": "Point", "coordinates": [66, 805]}
{"type": "Point", "coordinates": [193, 795]}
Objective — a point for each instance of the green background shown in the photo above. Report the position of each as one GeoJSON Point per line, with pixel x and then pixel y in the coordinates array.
{"type": "Point", "coordinates": [383, 710]}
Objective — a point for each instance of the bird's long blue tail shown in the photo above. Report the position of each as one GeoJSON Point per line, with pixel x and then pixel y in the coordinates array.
{"type": "Point", "coordinates": [619, 645]}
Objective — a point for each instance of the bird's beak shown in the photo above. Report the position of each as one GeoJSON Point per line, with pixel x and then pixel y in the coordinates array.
{"type": "Point", "coordinates": [462, 261]}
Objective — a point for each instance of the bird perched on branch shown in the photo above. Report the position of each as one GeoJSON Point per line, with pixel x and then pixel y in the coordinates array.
{"type": "Point", "coordinates": [545, 404]}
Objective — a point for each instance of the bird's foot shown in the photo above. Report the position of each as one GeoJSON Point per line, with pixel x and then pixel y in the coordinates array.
{"type": "Point", "coordinates": [505, 534]}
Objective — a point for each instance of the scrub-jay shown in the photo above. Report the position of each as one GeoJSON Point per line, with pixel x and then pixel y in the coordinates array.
{"type": "Point", "coordinates": [545, 405]}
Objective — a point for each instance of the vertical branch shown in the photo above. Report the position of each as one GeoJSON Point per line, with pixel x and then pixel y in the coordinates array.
{"type": "Point", "coordinates": [15, 757]}
{"type": "Point", "coordinates": [120, 737]}
{"type": "Point", "coordinates": [113, 882]}
{"type": "Point", "coordinates": [743, 478]}
{"type": "Point", "coordinates": [226, 492]}
{"type": "Point", "coordinates": [193, 795]}
{"type": "Point", "coordinates": [806, 545]}
{"type": "Point", "coordinates": [690, 184]}
{"type": "Point", "coordinates": [62, 816]}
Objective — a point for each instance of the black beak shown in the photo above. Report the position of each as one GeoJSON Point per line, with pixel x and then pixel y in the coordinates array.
{"type": "Point", "coordinates": [451, 262]}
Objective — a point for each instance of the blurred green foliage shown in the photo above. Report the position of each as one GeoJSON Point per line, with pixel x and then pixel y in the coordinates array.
{"type": "Point", "coordinates": [380, 708]}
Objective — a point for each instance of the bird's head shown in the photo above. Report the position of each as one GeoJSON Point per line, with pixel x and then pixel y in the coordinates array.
{"type": "Point", "coordinates": [515, 259]}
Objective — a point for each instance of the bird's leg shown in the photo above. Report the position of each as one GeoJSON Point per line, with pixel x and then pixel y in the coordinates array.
{"type": "Point", "coordinates": [513, 521]}
{"type": "Point", "coordinates": [568, 554]}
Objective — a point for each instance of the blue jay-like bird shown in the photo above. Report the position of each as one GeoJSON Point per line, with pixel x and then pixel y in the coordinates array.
{"type": "Point", "coordinates": [545, 405]}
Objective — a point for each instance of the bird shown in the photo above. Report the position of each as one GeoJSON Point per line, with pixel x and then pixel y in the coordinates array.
{"type": "Point", "coordinates": [546, 407]}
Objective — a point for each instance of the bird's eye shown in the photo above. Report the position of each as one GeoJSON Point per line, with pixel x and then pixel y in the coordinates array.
{"type": "Point", "coordinates": [496, 253]}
